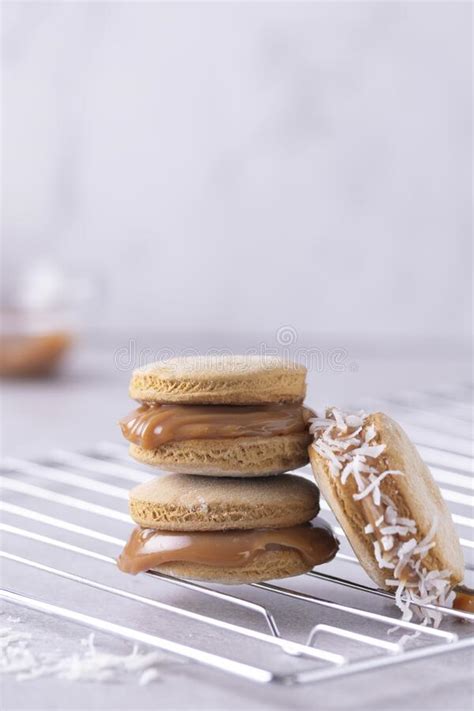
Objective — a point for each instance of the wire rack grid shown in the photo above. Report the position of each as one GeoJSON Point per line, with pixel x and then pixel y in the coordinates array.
{"type": "Point", "coordinates": [75, 504]}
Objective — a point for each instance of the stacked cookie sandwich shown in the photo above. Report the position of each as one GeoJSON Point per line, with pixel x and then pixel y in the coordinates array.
{"type": "Point", "coordinates": [225, 425]}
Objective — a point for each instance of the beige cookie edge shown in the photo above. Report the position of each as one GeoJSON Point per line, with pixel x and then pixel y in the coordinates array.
{"type": "Point", "coordinates": [219, 517]}
{"type": "Point", "coordinates": [284, 386]}
{"type": "Point", "coordinates": [241, 457]}
{"type": "Point", "coordinates": [418, 496]}
{"type": "Point", "coordinates": [266, 565]}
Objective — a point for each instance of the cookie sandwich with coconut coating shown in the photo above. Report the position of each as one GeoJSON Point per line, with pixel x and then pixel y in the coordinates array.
{"type": "Point", "coordinates": [389, 506]}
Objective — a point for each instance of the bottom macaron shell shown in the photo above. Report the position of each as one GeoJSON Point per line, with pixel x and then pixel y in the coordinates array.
{"type": "Point", "coordinates": [244, 456]}
{"type": "Point", "coordinates": [267, 565]}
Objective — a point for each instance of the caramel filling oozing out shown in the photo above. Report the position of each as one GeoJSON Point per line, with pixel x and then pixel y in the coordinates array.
{"type": "Point", "coordinates": [464, 599]}
{"type": "Point", "coordinates": [148, 548]}
{"type": "Point", "coordinates": [151, 426]}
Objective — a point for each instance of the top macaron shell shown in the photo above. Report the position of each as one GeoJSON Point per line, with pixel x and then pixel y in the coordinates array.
{"type": "Point", "coordinates": [181, 502]}
{"type": "Point", "coordinates": [213, 380]}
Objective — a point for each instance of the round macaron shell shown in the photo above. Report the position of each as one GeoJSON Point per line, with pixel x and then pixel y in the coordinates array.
{"type": "Point", "coordinates": [267, 565]}
{"type": "Point", "coordinates": [240, 457]}
{"type": "Point", "coordinates": [182, 502]}
{"type": "Point", "coordinates": [231, 380]}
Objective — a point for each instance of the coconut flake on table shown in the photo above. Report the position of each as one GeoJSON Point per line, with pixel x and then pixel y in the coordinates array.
{"type": "Point", "coordinates": [18, 659]}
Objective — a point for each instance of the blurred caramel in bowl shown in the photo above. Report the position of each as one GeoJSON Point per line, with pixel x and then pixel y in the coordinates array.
{"type": "Point", "coordinates": [42, 309]}
{"type": "Point", "coordinates": [32, 354]}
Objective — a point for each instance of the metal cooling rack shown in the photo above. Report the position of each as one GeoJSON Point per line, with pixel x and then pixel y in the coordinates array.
{"type": "Point", "coordinates": [78, 496]}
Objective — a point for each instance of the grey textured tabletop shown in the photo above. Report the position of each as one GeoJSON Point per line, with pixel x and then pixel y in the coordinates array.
{"type": "Point", "coordinates": [79, 410]}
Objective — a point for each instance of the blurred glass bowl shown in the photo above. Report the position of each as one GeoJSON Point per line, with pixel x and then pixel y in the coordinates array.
{"type": "Point", "coordinates": [41, 312]}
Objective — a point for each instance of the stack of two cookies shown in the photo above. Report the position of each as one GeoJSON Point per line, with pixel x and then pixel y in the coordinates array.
{"type": "Point", "coordinates": [229, 427]}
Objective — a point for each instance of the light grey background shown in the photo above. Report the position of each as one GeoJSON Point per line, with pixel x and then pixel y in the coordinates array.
{"type": "Point", "coordinates": [237, 175]}
{"type": "Point", "coordinates": [238, 166]}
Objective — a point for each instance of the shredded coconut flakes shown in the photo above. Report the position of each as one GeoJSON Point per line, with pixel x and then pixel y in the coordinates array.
{"type": "Point", "coordinates": [345, 441]}
{"type": "Point", "coordinates": [89, 665]}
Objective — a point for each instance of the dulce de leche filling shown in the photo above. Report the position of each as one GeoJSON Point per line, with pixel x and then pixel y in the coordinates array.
{"type": "Point", "coordinates": [151, 426]}
{"type": "Point", "coordinates": [464, 599]}
{"type": "Point", "coordinates": [148, 548]}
